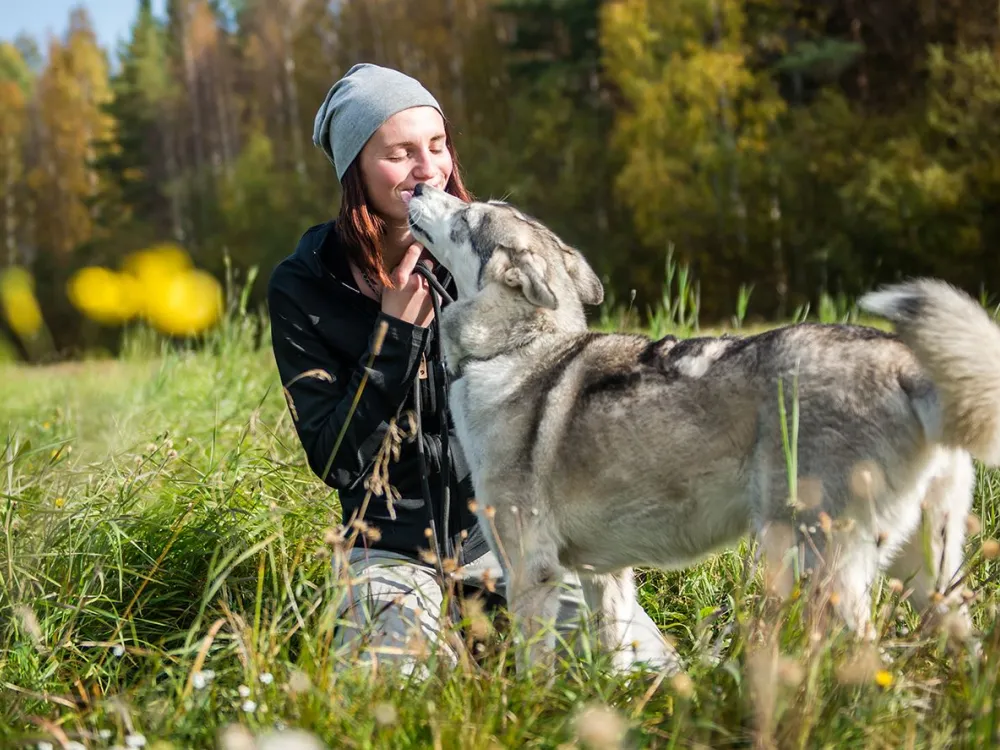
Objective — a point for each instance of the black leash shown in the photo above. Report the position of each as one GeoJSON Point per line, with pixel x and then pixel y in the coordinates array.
{"type": "Point", "coordinates": [442, 535]}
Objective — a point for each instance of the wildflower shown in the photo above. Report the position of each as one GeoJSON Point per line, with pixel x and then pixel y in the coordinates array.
{"type": "Point", "coordinates": [896, 586]}
{"type": "Point", "coordinates": [299, 682]}
{"type": "Point", "coordinates": [236, 737]}
{"type": "Point", "coordinates": [118, 650]}
{"type": "Point", "coordinates": [44, 745]}
{"type": "Point", "coordinates": [171, 455]}
{"type": "Point", "coordinates": [105, 296]}
{"type": "Point", "coordinates": [74, 745]}
{"type": "Point", "coordinates": [249, 706]}
{"type": "Point", "coordinates": [267, 678]}
{"type": "Point", "coordinates": [104, 734]}
{"type": "Point", "coordinates": [790, 672]}
{"type": "Point", "coordinates": [59, 502]}
{"type": "Point", "coordinates": [244, 691]}
{"type": "Point", "coordinates": [600, 727]}
{"type": "Point", "coordinates": [135, 740]}
{"type": "Point", "coordinates": [187, 304]}
{"type": "Point", "coordinates": [683, 685]}
{"type": "Point", "coordinates": [385, 714]}
{"type": "Point", "coordinates": [18, 302]}
{"type": "Point", "coordinates": [200, 680]}
{"type": "Point", "coordinates": [883, 678]}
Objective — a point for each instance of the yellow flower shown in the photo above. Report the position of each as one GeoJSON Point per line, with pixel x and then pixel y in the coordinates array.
{"type": "Point", "coordinates": [104, 295]}
{"type": "Point", "coordinates": [883, 678]}
{"type": "Point", "coordinates": [155, 266]}
{"type": "Point", "coordinates": [159, 284]}
{"type": "Point", "coordinates": [17, 299]}
{"type": "Point", "coordinates": [186, 304]}
{"type": "Point", "coordinates": [60, 502]}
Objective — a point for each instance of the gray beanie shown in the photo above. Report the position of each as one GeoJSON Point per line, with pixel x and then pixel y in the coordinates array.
{"type": "Point", "coordinates": [358, 104]}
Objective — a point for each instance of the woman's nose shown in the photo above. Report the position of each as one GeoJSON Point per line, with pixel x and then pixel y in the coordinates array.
{"type": "Point", "coordinates": [424, 165]}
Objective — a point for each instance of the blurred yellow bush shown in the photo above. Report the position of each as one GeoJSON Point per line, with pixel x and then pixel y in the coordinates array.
{"type": "Point", "coordinates": [159, 284]}
{"type": "Point", "coordinates": [18, 302]}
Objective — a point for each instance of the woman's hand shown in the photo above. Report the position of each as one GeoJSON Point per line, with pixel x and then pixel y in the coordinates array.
{"type": "Point", "coordinates": [411, 299]}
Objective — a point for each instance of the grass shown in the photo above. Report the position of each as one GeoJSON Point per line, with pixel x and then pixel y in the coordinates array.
{"type": "Point", "coordinates": [165, 574]}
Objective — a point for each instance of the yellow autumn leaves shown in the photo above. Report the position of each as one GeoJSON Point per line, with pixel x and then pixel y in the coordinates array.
{"type": "Point", "coordinates": [160, 285]}
{"type": "Point", "coordinates": [18, 302]}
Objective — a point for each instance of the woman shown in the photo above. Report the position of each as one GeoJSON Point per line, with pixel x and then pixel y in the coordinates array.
{"type": "Point", "coordinates": [348, 302]}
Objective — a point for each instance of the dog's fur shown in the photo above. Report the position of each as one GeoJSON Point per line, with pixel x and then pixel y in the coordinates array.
{"type": "Point", "coordinates": [600, 452]}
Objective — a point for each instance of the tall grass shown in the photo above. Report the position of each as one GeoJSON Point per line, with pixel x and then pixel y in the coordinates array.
{"type": "Point", "coordinates": [165, 574]}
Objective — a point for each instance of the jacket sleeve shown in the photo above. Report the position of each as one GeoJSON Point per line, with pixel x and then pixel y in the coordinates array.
{"type": "Point", "coordinates": [320, 385]}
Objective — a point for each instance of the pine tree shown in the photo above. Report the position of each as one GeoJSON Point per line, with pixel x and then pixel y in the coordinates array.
{"type": "Point", "coordinates": [133, 159]}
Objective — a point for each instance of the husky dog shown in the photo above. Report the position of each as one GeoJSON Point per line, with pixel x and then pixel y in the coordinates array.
{"type": "Point", "coordinates": [600, 452]}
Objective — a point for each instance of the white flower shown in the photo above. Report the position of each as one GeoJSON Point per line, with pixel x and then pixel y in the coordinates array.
{"type": "Point", "coordinates": [44, 746]}
{"type": "Point", "coordinates": [202, 678]}
{"type": "Point", "coordinates": [104, 734]}
{"type": "Point", "coordinates": [249, 706]}
{"type": "Point", "coordinates": [267, 678]}
{"type": "Point", "coordinates": [244, 691]}
{"type": "Point", "coordinates": [74, 745]}
{"type": "Point", "coordinates": [135, 740]}
{"type": "Point", "coordinates": [118, 650]}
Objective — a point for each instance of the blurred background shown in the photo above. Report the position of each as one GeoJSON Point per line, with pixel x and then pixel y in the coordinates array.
{"type": "Point", "coordinates": [808, 149]}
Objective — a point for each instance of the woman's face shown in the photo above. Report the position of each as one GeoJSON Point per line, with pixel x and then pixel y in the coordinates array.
{"type": "Point", "coordinates": [410, 147]}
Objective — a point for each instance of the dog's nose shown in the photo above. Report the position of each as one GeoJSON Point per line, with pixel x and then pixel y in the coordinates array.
{"type": "Point", "coordinates": [418, 189]}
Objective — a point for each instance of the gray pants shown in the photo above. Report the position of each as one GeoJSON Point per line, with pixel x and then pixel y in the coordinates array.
{"type": "Point", "coordinates": [393, 612]}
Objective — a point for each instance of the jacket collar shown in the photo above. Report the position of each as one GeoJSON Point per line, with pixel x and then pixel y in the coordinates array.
{"type": "Point", "coordinates": [311, 247]}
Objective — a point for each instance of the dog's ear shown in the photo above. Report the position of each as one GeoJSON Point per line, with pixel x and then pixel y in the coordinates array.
{"type": "Point", "coordinates": [588, 286]}
{"type": "Point", "coordinates": [522, 274]}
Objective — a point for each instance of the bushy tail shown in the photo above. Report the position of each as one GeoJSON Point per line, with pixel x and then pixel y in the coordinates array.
{"type": "Point", "coordinates": [958, 344]}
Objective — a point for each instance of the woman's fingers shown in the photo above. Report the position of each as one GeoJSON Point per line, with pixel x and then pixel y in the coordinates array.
{"type": "Point", "coordinates": [405, 268]}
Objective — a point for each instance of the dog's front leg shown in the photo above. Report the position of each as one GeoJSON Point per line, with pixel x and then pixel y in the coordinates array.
{"type": "Point", "coordinates": [533, 602]}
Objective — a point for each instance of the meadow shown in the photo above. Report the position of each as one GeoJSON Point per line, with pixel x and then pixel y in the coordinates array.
{"type": "Point", "coordinates": [165, 582]}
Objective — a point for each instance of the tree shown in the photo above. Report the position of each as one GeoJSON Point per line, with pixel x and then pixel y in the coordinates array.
{"type": "Point", "coordinates": [136, 158]}
{"type": "Point", "coordinates": [694, 131]}
{"type": "Point", "coordinates": [15, 90]}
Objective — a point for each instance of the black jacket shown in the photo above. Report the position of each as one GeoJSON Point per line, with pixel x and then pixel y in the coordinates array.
{"type": "Point", "coordinates": [322, 323]}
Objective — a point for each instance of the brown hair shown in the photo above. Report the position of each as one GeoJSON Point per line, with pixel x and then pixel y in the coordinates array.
{"type": "Point", "coordinates": [360, 227]}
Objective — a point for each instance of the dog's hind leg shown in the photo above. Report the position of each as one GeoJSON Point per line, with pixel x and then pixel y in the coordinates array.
{"type": "Point", "coordinates": [929, 562]}
{"type": "Point", "coordinates": [611, 601]}
{"type": "Point", "coordinates": [623, 628]}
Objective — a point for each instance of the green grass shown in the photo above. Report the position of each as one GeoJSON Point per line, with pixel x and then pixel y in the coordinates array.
{"type": "Point", "coordinates": [158, 520]}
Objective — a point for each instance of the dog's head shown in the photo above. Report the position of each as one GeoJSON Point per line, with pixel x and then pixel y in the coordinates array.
{"type": "Point", "coordinates": [492, 243]}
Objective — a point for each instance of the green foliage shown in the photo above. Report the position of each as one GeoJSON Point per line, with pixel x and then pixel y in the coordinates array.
{"type": "Point", "coordinates": [807, 150]}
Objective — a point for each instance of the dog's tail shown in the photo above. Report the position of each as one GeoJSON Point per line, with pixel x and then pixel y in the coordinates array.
{"type": "Point", "coordinates": [958, 344]}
